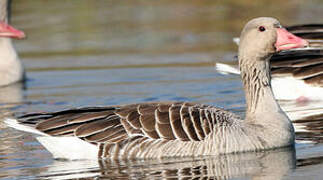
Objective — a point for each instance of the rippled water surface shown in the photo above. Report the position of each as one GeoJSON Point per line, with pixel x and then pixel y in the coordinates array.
{"type": "Point", "coordinates": [88, 53]}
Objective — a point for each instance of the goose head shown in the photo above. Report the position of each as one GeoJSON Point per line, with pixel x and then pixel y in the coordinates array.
{"type": "Point", "coordinates": [261, 37]}
{"type": "Point", "coordinates": [259, 40]}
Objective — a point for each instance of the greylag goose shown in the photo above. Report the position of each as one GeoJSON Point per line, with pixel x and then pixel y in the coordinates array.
{"type": "Point", "coordinates": [11, 69]}
{"type": "Point", "coordinates": [178, 129]}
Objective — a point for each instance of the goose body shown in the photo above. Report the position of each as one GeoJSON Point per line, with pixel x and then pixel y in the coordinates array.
{"type": "Point", "coordinates": [11, 68]}
{"type": "Point", "coordinates": [154, 130]}
{"type": "Point", "coordinates": [177, 129]}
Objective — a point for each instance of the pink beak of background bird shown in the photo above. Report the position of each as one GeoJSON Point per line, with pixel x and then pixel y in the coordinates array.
{"type": "Point", "coordinates": [8, 31]}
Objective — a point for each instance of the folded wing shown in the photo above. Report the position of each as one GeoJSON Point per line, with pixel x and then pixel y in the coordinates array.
{"type": "Point", "coordinates": [167, 121]}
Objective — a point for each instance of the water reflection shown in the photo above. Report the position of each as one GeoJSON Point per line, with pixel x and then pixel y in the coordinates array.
{"type": "Point", "coordinates": [265, 165]}
{"type": "Point", "coordinates": [11, 95]}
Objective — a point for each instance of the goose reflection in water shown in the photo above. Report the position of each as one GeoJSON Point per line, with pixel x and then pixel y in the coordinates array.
{"type": "Point", "coordinates": [11, 96]}
{"type": "Point", "coordinates": [274, 164]}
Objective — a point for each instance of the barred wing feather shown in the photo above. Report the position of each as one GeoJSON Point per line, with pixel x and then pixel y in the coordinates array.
{"type": "Point", "coordinates": [166, 121]}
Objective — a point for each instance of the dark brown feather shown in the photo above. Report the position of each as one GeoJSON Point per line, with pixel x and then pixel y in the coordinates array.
{"type": "Point", "coordinates": [115, 137]}
{"type": "Point", "coordinates": [149, 108]}
{"type": "Point", "coordinates": [152, 134]}
{"type": "Point", "coordinates": [129, 129]}
{"type": "Point", "coordinates": [67, 130]}
{"type": "Point", "coordinates": [204, 122]}
{"type": "Point", "coordinates": [55, 122]}
{"type": "Point", "coordinates": [209, 118]}
{"type": "Point", "coordinates": [97, 126]}
{"type": "Point", "coordinates": [176, 123]}
{"type": "Point", "coordinates": [165, 131]}
{"type": "Point", "coordinates": [106, 133]}
{"type": "Point", "coordinates": [133, 119]}
{"type": "Point", "coordinates": [162, 117]}
{"type": "Point", "coordinates": [90, 116]}
{"type": "Point", "coordinates": [148, 121]}
{"type": "Point", "coordinates": [195, 116]}
{"type": "Point", "coordinates": [164, 107]}
{"type": "Point", "coordinates": [187, 124]}
{"type": "Point", "coordinates": [126, 109]}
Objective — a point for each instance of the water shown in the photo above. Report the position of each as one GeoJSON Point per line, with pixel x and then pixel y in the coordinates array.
{"type": "Point", "coordinates": [89, 53]}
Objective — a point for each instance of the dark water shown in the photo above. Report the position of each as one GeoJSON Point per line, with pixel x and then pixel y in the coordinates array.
{"type": "Point", "coordinates": [87, 53]}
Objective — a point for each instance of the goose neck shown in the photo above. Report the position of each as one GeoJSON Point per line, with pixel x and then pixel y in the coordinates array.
{"type": "Point", "coordinates": [255, 74]}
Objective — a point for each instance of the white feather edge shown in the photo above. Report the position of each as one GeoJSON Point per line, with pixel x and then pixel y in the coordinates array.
{"type": "Point", "coordinates": [236, 40]}
{"type": "Point", "coordinates": [226, 69]}
{"type": "Point", "coordinates": [71, 148]}
{"type": "Point", "coordinates": [13, 123]}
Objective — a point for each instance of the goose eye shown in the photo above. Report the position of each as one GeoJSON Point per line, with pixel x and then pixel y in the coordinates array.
{"type": "Point", "coordinates": [262, 29]}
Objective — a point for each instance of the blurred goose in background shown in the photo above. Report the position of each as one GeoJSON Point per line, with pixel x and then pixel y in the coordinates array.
{"type": "Point", "coordinates": [313, 33]}
{"type": "Point", "coordinates": [297, 74]}
{"type": "Point", "coordinates": [178, 129]}
{"type": "Point", "coordinates": [11, 68]}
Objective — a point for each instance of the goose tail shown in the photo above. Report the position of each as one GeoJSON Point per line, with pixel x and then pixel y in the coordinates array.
{"type": "Point", "coordinates": [14, 123]}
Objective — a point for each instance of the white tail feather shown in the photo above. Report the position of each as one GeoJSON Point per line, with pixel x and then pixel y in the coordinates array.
{"type": "Point", "coordinates": [16, 125]}
{"type": "Point", "coordinates": [71, 148]}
